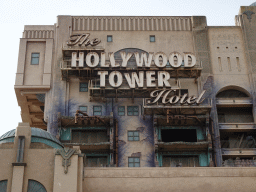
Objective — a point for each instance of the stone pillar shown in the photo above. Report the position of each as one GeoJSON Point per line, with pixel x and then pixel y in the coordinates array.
{"type": "Point", "coordinates": [23, 131]}
{"type": "Point", "coordinates": [67, 171]}
{"type": "Point", "coordinates": [17, 178]}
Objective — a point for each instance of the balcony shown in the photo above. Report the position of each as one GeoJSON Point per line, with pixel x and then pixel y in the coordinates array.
{"type": "Point", "coordinates": [183, 146]}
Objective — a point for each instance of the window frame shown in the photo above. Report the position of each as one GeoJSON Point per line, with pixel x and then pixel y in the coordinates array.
{"type": "Point", "coordinates": [82, 110]}
{"type": "Point", "coordinates": [109, 36]}
{"type": "Point", "coordinates": [97, 111]}
{"type": "Point", "coordinates": [33, 57]}
{"type": "Point", "coordinates": [152, 36]}
{"type": "Point", "coordinates": [131, 161]}
{"type": "Point", "coordinates": [133, 136]}
{"type": "Point", "coordinates": [81, 87]}
{"type": "Point", "coordinates": [119, 111]}
{"type": "Point", "coordinates": [133, 112]}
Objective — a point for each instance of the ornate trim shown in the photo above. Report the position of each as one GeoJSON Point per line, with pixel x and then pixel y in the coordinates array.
{"type": "Point", "coordinates": [66, 154]}
{"type": "Point", "coordinates": [249, 14]}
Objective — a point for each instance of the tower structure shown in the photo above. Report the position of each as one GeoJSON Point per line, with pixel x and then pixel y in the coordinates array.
{"type": "Point", "coordinates": [143, 91]}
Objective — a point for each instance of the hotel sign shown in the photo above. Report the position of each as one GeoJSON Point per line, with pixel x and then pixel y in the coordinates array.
{"type": "Point", "coordinates": [163, 97]}
{"type": "Point", "coordinates": [134, 79]}
{"type": "Point", "coordinates": [110, 71]}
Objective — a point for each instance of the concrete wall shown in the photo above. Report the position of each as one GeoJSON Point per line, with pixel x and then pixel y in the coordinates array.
{"type": "Point", "coordinates": [169, 179]}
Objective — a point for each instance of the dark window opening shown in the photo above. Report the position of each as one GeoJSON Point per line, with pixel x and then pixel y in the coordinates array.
{"type": "Point", "coordinates": [174, 135]}
{"type": "Point", "coordinates": [97, 161]}
{"type": "Point", "coordinates": [235, 115]}
{"type": "Point", "coordinates": [231, 93]}
{"type": "Point", "coordinates": [238, 139]}
{"type": "Point", "coordinates": [89, 136]}
{"type": "Point", "coordinates": [180, 161]}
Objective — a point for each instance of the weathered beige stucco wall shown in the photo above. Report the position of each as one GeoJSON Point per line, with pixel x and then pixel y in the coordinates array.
{"type": "Point", "coordinates": [229, 64]}
{"type": "Point", "coordinates": [7, 157]}
{"type": "Point", "coordinates": [40, 167]}
{"type": "Point", "coordinates": [169, 179]}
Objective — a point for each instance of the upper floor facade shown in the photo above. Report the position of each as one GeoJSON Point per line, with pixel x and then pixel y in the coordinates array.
{"type": "Point", "coordinates": [117, 85]}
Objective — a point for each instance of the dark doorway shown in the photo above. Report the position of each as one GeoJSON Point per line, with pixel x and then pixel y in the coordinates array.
{"type": "Point", "coordinates": [173, 135]}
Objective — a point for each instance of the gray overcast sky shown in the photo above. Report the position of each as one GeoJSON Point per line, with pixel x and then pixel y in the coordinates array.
{"type": "Point", "coordinates": [17, 13]}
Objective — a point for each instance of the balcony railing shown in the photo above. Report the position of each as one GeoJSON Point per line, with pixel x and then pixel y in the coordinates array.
{"type": "Point", "coordinates": [238, 152]}
{"type": "Point", "coordinates": [236, 126]}
{"type": "Point", "coordinates": [239, 163]}
{"type": "Point", "coordinates": [234, 101]}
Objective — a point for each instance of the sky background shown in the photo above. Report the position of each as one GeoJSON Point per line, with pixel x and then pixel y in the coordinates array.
{"type": "Point", "coordinates": [17, 13]}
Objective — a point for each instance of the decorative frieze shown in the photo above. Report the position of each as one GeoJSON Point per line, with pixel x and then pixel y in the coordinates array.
{"type": "Point", "coordinates": [66, 154]}
{"type": "Point", "coordinates": [80, 23]}
{"type": "Point", "coordinates": [38, 34]}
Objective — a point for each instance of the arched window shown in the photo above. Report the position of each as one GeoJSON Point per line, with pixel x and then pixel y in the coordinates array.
{"type": "Point", "coordinates": [3, 186]}
{"type": "Point", "coordinates": [35, 186]}
{"type": "Point", "coordinates": [231, 93]}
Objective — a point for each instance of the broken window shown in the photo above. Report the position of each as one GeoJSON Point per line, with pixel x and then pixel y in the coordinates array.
{"type": "Point", "coordinates": [238, 139]}
{"type": "Point", "coordinates": [175, 135]}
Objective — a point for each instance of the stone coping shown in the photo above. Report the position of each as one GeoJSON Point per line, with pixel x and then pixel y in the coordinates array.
{"type": "Point", "coordinates": [168, 172]}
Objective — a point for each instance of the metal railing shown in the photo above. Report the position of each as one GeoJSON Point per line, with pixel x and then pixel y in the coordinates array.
{"type": "Point", "coordinates": [239, 163]}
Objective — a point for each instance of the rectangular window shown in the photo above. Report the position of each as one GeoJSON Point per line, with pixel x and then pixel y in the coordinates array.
{"type": "Point", "coordinates": [83, 108]}
{"type": "Point", "coordinates": [152, 38]}
{"type": "Point", "coordinates": [133, 110]}
{"type": "Point", "coordinates": [121, 111]}
{"type": "Point", "coordinates": [35, 58]}
{"type": "Point", "coordinates": [133, 136]}
{"type": "Point", "coordinates": [109, 38]}
{"type": "Point", "coordinates": [83, 87]}
{"type": "Point", "coordinates": [133, 162]}
{"type": "Point", "coordinates": [97, 110]}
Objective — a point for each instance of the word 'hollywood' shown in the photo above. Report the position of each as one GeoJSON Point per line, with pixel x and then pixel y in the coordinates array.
{"type": "Point", "coordinates": [142, 60]}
